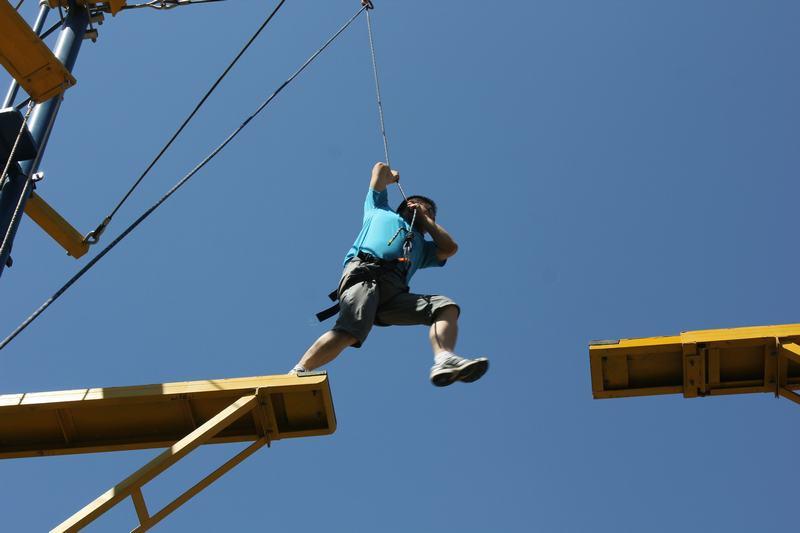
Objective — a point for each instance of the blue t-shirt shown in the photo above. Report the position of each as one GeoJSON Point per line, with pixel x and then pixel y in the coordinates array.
{"type": "Point", "coordinates": [380, 225]}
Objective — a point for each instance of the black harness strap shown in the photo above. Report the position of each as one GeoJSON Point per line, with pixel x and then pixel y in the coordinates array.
{"type": "Point", "coordinates": [371, 269]}
{"type": "Point", "coordinates": [325, 314]}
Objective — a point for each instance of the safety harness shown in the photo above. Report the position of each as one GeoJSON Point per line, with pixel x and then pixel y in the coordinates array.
{"type": "Point", "coordinates": [372, 269]}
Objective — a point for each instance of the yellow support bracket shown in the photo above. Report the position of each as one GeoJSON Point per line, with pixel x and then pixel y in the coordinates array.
{"type": "Point", "coordinates": [132, 485]}
{"type": "Point", "coordinates": [788, 354]}
{"type": "Point", "coordinates": [700, 363]}
{"type": "Point", "coordinates": [56, 226]}
{"type": "Point", "coordinates": [28, 59]}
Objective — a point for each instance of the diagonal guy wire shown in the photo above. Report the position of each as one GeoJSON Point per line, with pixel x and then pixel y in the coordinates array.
{"type": "Point", "coordinates": [93, 236]}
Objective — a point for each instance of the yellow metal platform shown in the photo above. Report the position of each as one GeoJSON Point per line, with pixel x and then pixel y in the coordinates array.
{"type": "Point", "coordinates": [178, 416]}
{"type": "Point", "coordinates": [155, 416]}
{"type": "Point", "coordinates": [28, 59]}
{"type": "Point", "coordinates": [700, 363]}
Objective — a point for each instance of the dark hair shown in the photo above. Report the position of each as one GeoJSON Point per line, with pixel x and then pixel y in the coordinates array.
{"type": "Point", "coordinates": [405, 212]}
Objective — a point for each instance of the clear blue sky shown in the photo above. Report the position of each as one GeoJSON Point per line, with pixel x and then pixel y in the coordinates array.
{"type": "Point", "coordinates": [609, 169]}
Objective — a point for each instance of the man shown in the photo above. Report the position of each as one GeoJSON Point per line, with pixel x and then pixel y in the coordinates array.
{"type": "Point", "coordinates": [374, 285]}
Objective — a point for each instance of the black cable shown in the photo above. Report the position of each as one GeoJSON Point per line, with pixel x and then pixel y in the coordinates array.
{"type": "Point", "coordinates": [177, 186]}
{"type": "Point", "coordinates": [23, 103]}
{"type": "Point", "coordinates": [94, 236]}
{"type": "Point", "coordinates": [53, 28]}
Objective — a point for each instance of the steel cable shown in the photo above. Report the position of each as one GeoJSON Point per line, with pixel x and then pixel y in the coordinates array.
{"type": "Point", "coordinates": [177, 186]}
{"type": "Point", "coordinates": [93, 236]}
{"type": "Point", "coordinates": [406, 252]}
{"type": "Point", "coordinates": [18, 208]}
{"type": "Point", "coordinates": [380, 101]}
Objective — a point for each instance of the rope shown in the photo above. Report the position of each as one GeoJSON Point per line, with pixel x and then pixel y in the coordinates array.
{"type": "Point", "coordinates": [406, 244]}
{"type": "Point", "coordinates": [18, 209]}
{"type": "Point", "coordinates": [94, 236]}
{"type": "Point", "coordinates": [177, 186]}
{"type": "Point", "coordinates": [378, 89]}
{"type": "Point", "coordinates": [378, 95]}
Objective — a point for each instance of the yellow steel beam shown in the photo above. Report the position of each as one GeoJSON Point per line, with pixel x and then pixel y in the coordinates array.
{"type": "Point", "coordinates": [28, 59]}
{"type": "Point", "coordinates": [789, 353]}
{"type": "Point", "coordinates": [56, 226]}
{"type": "Point", "coordinates": [155, 416]}
{"type": "Point", "coordinates": [139, 505]}
{"type": "Point", "coordinates": [133, 483]}
{"type": "Point", "coordinates": [699, 363]}
{"type": "Point", "coordinates": [193, 413]}
{"type": "Point", "coordinates": [144, 525]}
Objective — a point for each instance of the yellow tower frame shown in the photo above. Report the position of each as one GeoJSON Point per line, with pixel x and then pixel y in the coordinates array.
{"type": "Point", "coordinates": [28, 59]}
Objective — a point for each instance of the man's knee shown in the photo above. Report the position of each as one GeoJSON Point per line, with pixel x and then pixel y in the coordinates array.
{"type": "Point", "coordinates": [344, 338]}
{"type": "Point", "coordinates": [348, 339]}
{"type": "Point", "coordinates": [449, 312]}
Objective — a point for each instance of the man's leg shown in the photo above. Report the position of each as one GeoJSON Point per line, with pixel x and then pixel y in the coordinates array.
{"type": "Point", "coordinates": [448, 367]}
{"type": "Point", "coordinates": [325, 349]}
{"type": "Point", "coordinates": [357, 306]}
{"type": "Point", "coordinates": [441, 313]}
{"type": "Point", "coordinates": [444, 330]}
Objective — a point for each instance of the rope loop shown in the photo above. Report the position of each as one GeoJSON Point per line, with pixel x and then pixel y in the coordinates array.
{"type": "Point", "coordinates": [93, 237]}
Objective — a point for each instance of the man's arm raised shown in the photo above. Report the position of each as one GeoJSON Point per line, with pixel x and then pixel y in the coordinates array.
{"type": "Point", "coordinates": [445, 244]}
{"type": "Point", "coordinates": [382, 177]}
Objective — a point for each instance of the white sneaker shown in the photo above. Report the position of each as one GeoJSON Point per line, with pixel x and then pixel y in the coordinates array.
{"type": "Point", "coordinates": [456, 368]}
{"type": "Point", "coordinates": [297, 370]}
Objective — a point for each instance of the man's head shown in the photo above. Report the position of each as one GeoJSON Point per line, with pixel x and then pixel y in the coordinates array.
{"type": "Point", "coordinates": [406, 207]}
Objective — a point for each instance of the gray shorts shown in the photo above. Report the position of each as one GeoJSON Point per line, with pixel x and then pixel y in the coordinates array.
{"type": "Point", "coordinates": [385, 303]}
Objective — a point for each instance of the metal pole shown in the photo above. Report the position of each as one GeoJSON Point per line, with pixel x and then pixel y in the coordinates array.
{"type": "Point", "coordinates": [41, 124]}
{"type": "Point", "coordinates": [44, 9]}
